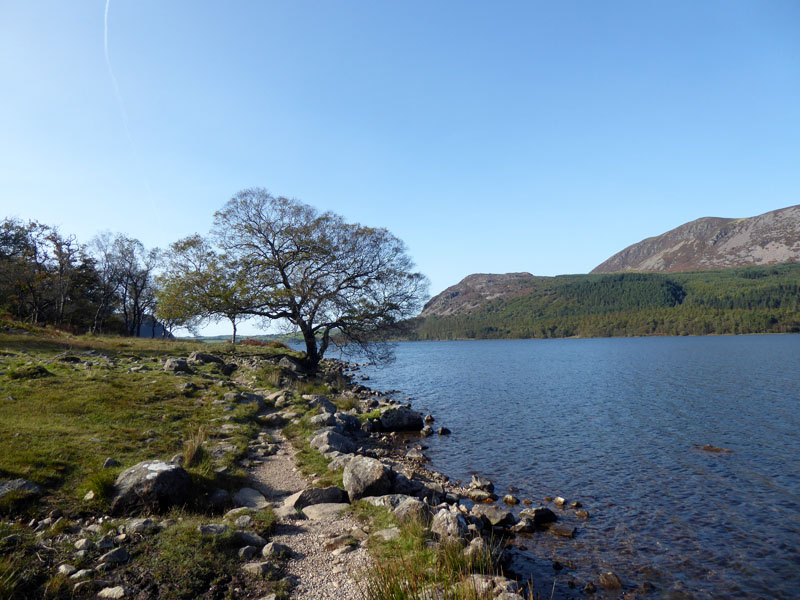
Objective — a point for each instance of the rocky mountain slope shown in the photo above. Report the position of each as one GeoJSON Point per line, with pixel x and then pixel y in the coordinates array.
{"type": "Point", "coordinates": [476, 290]}
{"type": "Point", "coordinates": [715, 243]}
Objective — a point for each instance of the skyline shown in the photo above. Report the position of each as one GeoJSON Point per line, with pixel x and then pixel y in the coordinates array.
{"type": "Point", "coordinates": [537, 138]}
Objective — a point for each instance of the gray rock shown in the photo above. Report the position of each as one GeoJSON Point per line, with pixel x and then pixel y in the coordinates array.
{"type": "Point", "coordinates": [324, 512]}
{"type": "Point", "coordinates": [493, 515]}
{"type": "Point", "coordinates": [292, 365]}
{"type": "Point", "coordinates": [66, 570]}
{"type": "Point", "coordinates": [249, 538]}
{"type": "Point", "coordinates": [449, 526]}
{"type": "Point", "coordinates": [427, 431]}
{"type": "Point", "coordinates": [260, 569]}
{"type": "Point", "coordinates": [250, 498]}
{"type": "Point", "coordinates": [105, 543]}
{"type": "Point", "coordinates": [118, 555]}
{"type": "Point", "coordinates": [151, 485]}
{"type": "Point", "coordinates": [110, 463]}
{"type": "Point", "coordinates": [347, 422]}
{"type": "Point", "coordinates": [83, 544]}
{"type": "Point", "coordinates": [82, 574]}
{"type": "Point", "coordinates": [330, 441]}
{"type": "Point", "coordinates": [244, 521]}
{"type": "Point", "coordinates": [247, 552]}
{"type": "Point", "coordinates": [392, 533]}
{"type": "Point", "coordinates": [540, 516]}
{"type": "Point", "coordinates": [443, 431]}
{"type": "Point", "coordinates": [525, 525]}
{"type": "Point", "coordinates": [413, 509]}
{"type": "Point", "coordinates": [480, 495]}
{"type": "Point", "coordinates": [112, 592]}
{"type": "Point", "coordinates": [312, 496]}
{"type": "Point", "coordinates": [213, 529]}
{"type": "Point", "coordinates": [316, 400]}
{"type": "Point", "coordinates": [510, 499]}
{"type": "Point", "coordinates": [19, 486]}
{"type": "Point", "coordinates": [322, 420]}
{"type": "Point", "coordinates": [276, 550]}
{"type": "Point", "coordinates": [365, 476]}
{"type": "Point", "coordinates": [479, 482]}
{"type": "Point", "coordinates": [204, 358]}
{"type": "Point", "coordinates": [390, 501]}
{"type": "Point", "coordinates": [401, 418]}
{"type": "Point", "coordinates": [177, 365]}
{"type": "Point", "coordinates": [562, 531]}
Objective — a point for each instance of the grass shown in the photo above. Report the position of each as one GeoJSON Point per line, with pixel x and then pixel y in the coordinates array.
{"type": "Point", "coordinates": [412, 567]}
{"type": "Point", "coordinates": [310, 462]}
{"type": "Point", "coordinates": [57, 430]}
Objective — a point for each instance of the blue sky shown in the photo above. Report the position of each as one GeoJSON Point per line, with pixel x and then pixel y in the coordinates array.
{"type": "Point", "coordinates": [491, 137]}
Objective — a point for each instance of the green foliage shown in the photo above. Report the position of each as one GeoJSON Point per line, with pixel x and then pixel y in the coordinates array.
{"type": "Point", "coordinates": [734, 301]}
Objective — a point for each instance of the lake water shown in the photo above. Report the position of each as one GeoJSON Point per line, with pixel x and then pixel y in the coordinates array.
{"type": "Point", "coordinates": [615, 424]}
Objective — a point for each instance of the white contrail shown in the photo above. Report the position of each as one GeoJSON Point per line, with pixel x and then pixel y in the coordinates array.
{"type": "Point", "coordinates": [121, 102]}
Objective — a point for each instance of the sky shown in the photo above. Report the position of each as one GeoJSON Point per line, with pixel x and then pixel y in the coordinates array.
{"type": "Point", "coordinates": [490, 137]}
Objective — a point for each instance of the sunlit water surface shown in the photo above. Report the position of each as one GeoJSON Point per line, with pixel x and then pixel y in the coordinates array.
{"type": "Point", "coordinates": [615, 424]}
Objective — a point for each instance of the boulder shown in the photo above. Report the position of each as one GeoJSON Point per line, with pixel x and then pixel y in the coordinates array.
{"type": "Point", "coordinates": [250, 498]}
{"type": "Point", "coordinates": [493, 515]}
{"type": "Point", "coordinates": [401, 418]}
{"type": "Point", "coordinates": [21, 487]}
{"type": "Point", "coordinates": [390, 501]}
{"type": "Point", "coordinates": [152, 485]}
{"type": "Point", "coordinates": [276, 550]}
{"type": "Point", "coordinates": [177, 365]}
{"type": "Point", "coordinates": [324, 512]}
{"type": "Point", "coordinates": [450, 526]}
{"type": "Point", "coordinates": [413, 509]}
{"type": "Point", "coordinates": [312, 496]}
{"type": "Point", "coordinates": [322, 420]}
{"type": "Point", "coordinates": [317, 400]}
{"type": "Point", "coordinates": [292, 364]}
{"type": "Point", "coordinates": [479, 482]}
{"type": "Point", "coordinates": [204, 358]}
{"type": "Point", "coordinates": [365, 476]}
{"type": "Point", "coordinates": [330, 440]}
{"type": "Point", "coordinates": [347, 422]}
{"type": "Point", "coordinates": [540, 516]}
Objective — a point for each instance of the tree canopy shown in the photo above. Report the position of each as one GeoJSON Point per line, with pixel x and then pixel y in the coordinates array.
{"type": "Point", "coordinates": [334, 281]}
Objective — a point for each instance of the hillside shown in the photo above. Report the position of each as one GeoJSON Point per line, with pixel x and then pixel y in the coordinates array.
{"type": "Point", "coordinates": [715, 243]}
{"type": "Point", "coordinates": [745, 300]}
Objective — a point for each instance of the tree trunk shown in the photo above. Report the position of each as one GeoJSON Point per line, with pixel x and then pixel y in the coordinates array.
{"type": "Point", "coordinates": [312, 354]}
{"type": "Point", "coordinates": [233, 322]}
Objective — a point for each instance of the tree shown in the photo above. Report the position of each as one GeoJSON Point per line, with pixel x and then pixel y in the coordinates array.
{"type": "Point", "coordinates": [137, 273]}
{"type": "Point", "coordinates": [201, 285]}
{"type": "Point", "coordinates": [333, 280]}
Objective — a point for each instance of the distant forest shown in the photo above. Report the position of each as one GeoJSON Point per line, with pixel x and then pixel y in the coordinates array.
{"type": "Point", "coordinates": [733, 301]}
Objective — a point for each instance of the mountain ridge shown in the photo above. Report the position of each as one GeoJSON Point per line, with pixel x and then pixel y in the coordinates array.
{"type": "Point", "coordinates": [711, 243]}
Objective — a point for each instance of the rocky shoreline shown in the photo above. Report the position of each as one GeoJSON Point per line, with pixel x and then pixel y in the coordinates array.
{"type": "Point", "coordinates": [375, 442]}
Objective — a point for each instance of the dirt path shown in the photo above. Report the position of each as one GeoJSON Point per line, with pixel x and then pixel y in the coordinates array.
{"type": "Point", "coordinates": [319, 572]}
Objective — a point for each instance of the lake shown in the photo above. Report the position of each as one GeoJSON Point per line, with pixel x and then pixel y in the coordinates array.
{"type": "Point", "coordinates": [616, 424]}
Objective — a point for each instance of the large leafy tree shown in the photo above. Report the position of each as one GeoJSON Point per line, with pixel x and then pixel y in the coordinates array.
{"type": "Point", "coordinates": [201, 285]}
{"type": "Point", "coordinates": [334, 281]}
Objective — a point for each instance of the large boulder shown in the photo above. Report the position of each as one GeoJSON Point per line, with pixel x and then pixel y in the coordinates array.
{"type": "Point", "coordinates": [19, 488]}
{"type": "Point", "coordinates": [450, 526]}
{"type": "Point", "coordinates": [365, 476]}
{"type": "Point", "coordinates": [493, 515]}
{"type": "Point", "coordinates": [330, 440]}
{"type": "Point", "coordinates": [177, 365]}
{"type": "Point", "coordinates": [152, 485]}
{"type": "Point", "coordinates": [313, 496]}
{"type": "Point", "coordinates": [204, 357]}
{"type": "Point", "coordinates": [412, 509]}
{"type": "Point", "coordinates": [401, 418]}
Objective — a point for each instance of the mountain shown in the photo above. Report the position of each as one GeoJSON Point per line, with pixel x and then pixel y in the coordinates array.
{"type": "Point", "coordinates": [715, 243]}
{"type": "Point", "coordinates": [476, 290]}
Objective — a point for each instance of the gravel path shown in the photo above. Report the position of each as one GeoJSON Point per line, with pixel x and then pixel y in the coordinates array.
{"type": "Point", "coordinates": [319, 572]}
